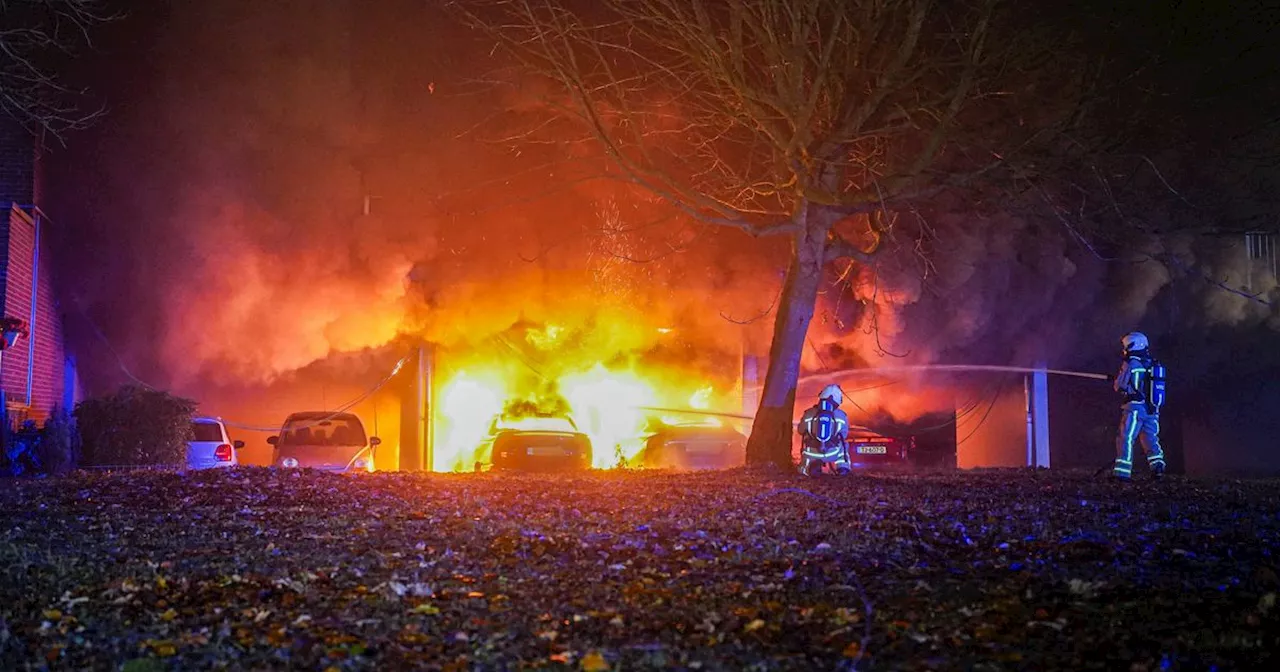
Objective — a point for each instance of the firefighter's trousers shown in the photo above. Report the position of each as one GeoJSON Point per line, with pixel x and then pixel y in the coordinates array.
{"type": "Point", "coordinates": [813, 457]}
{"type": "Point", "coordinates": [1138, 424]}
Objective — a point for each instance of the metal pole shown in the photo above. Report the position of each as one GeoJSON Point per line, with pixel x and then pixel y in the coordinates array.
{"type": "Point", "coordinates": [419, 415]}
{"type": "Point", "coordinates": [35, 295]}
{"type": "Point", "coordinates": [4, 410]}
{"type": "Point", "coordinates": [409, 405]}
{"type": "Point", "coordinates": [429, 410]}
{"type": "Point", "coordinates": [1040, 417]}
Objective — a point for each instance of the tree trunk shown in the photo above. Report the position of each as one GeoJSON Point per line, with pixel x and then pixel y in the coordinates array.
{"type": "Point", "coordinates": [770, 440]}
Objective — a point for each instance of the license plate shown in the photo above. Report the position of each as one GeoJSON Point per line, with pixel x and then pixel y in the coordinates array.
{"type": "Point", "coordinates": [702, 448]}
{"type": "Point", "coordinates": [873, 450]}
{"type": "Point", "coordinates": [545, 450]}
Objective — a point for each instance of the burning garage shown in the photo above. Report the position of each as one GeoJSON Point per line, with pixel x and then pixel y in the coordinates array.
{"type": "Point", "coordinates": [600, 390]}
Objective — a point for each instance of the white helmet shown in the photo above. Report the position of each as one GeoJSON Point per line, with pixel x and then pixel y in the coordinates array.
{"type": "Point", "coordinates": [1135, 341]}
{"type": "Point", "coordinates": [832, 392]}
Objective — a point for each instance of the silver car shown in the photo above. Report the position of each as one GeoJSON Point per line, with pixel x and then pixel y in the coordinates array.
{"type": "Point", "coordinates": [329, 441]}
{"type": "Point", "coordinates": [210, 447]}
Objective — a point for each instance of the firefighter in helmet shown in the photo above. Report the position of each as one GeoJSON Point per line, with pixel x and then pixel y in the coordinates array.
{"type": "Point", "coordinates": [1141, 381]}
{"type": "Point", "coordinates": [823, 429]}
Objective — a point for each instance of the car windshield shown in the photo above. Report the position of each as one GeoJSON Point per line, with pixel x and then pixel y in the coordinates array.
{"type": "Point", "coordinates": [205, 431]}
{"type": "Point", "coordinates": [534, 424]}
{"type": "Point", "coordinates": [323, 430]}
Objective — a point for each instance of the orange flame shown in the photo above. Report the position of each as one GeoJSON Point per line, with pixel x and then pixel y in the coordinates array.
{"type": "Point", "coordinates": [596, 381]}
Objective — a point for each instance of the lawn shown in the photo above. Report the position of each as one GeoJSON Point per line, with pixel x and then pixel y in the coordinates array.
{"type": "Point", "coordinates": [268, 569]}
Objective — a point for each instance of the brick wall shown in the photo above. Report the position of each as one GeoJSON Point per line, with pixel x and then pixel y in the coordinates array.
{"type": "Point", "coordinates": [39, 360]}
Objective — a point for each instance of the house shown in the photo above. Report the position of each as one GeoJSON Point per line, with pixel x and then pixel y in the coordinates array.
{"type": "Point", "coordinates": [35, 375]}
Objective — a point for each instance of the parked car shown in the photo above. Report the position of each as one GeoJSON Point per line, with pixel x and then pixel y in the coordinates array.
{"type": "Point", "coordinates": [324, 440]}
{"type": "Point", "coordinates": [869, 449]}
{"type": "Point", "coordinates": [551, 443]}
{"type": "Point", "coordinates": [210, 447]}
{"type": "Point", "coordinates": [694, 445]}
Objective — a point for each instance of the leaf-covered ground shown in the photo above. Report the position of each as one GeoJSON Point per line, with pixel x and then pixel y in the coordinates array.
{"type": "Point", "coordinates": [265, 569]}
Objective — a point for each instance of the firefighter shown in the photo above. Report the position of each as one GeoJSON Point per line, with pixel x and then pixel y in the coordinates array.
{"type": "Point", "coordinates": [823, 429]}
{"type": "Point", "coordinates": [1141, 381]}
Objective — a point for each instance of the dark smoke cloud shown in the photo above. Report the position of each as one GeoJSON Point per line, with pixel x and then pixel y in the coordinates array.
{"type": "Point", "coordinates": [222, 238]}
{"type": "Point", "coordinates": [280, 185]}
{"type": "Point", "coordinates": [1005, 290]}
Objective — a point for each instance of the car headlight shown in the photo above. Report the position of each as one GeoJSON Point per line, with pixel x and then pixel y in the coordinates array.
{"type": "Point", "coordinates": [289, 462]}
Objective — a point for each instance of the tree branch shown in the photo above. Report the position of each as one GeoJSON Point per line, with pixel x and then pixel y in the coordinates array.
{"type": "Point", "coordinates": [840, 248]}
{"type": "Point", "coordinates": [32, 31]}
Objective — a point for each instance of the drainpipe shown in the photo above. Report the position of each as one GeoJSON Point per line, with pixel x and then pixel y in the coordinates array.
{"type": "Point", "coordinates": [1031, 433]}
{"type": "Point", "coordinates": [35, 295]}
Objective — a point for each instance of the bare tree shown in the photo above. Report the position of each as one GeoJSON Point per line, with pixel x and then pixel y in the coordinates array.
{"type": "Point", "coordinates": [812, 121]}
{"type": "Point", "coordinates": [33, 32]}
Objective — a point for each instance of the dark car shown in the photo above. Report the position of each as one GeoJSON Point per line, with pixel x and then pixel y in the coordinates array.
{"type": "Point", "coordinates": [545, 443]}
{"type": "Point", "coordinates": [871, 449]}
{"type": "Point", "coordinates": [323, 440]}
{"type": "Point", "coordinates": [693, 446]}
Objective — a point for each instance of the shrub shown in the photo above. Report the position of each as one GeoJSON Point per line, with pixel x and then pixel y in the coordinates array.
{"type": "Point", "coordinates": [135, 426]}
{"type": "Point", "coordinates": [60, 443]}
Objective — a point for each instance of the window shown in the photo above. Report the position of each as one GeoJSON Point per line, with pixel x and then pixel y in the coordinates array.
{"type": "Point", "coordinates": [320, 429]}
{"type": "Point", "coordinates": [1261, 248]}
{"type": "Point", "coordinates": [205, 431]}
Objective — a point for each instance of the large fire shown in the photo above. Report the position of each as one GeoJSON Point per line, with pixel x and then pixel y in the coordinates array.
{"type": "Point", "coordinates": [556, 378]}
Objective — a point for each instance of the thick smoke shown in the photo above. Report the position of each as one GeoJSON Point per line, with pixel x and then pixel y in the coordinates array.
{"type": "Point", "coordinates": [998, 289]}
{"type": "Point", "coordinates": [288, 188]}
{"type": "Point", "coordinates": [298, 186]}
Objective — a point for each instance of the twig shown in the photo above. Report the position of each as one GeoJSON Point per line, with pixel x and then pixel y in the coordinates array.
{"type": "Point", "coordinates": [768, 310]}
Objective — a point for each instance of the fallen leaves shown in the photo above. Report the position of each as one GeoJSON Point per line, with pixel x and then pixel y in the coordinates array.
{"type": "Point", "coordinates": [594, 662]}
{"type": "Point", "coordinates": [251, 568]}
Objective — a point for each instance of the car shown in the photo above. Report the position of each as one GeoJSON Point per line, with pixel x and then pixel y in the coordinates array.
{"type": "Point", "coordinates": [692, 445]}
{"type": "Point", "coordinates": [324, 440]}
{"type": "Point", "coordinates": [210, 447]}
{"type": "Point", "coordinates": [869, 449]}
{"type": "Point", "coordinates": [537, 443]}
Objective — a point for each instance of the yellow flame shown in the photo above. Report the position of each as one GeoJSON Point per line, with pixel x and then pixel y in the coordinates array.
{"type": "Point", "coordinates": [606, 407]}
{"type": "Point", "coordinates": [546, 337]}
{"type": "Point", "coordinates": [537, 424]}
{"type": "Point", "coordinates": [493, 390]}
{"type": "Point", "coordinates": [467, 407]}
{"type": "Point", "coordinates": [701, 399]}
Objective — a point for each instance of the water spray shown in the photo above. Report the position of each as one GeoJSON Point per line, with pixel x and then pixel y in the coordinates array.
{"type": "Point", "coordinates": [696, 411]}
{"type": "Point", "coordinates": [818, 377]}
{"type": "Point", "coordinates": [823, 377]}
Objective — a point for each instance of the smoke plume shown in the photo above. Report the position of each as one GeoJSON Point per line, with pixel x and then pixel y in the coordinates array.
{"type": "Point", "coordinates": [281, 188]}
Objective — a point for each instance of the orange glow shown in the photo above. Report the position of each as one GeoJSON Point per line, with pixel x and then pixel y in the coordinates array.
{"type": "Point", "coordinates": [605, 405]}
{"type": "Point", "coordinates": [599, 374]}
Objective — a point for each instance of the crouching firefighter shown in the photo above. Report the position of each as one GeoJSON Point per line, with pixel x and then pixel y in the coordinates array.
{"type": "Point", "coordinates": [1141, 381]}
{"type": "Point", "coordinates": [823, 429]}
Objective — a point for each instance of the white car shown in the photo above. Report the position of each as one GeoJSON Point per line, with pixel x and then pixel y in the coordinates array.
{"type": "Point", "coordinates": [210, 447]}
{"type": "Point", "coordinates": [325, 440]}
